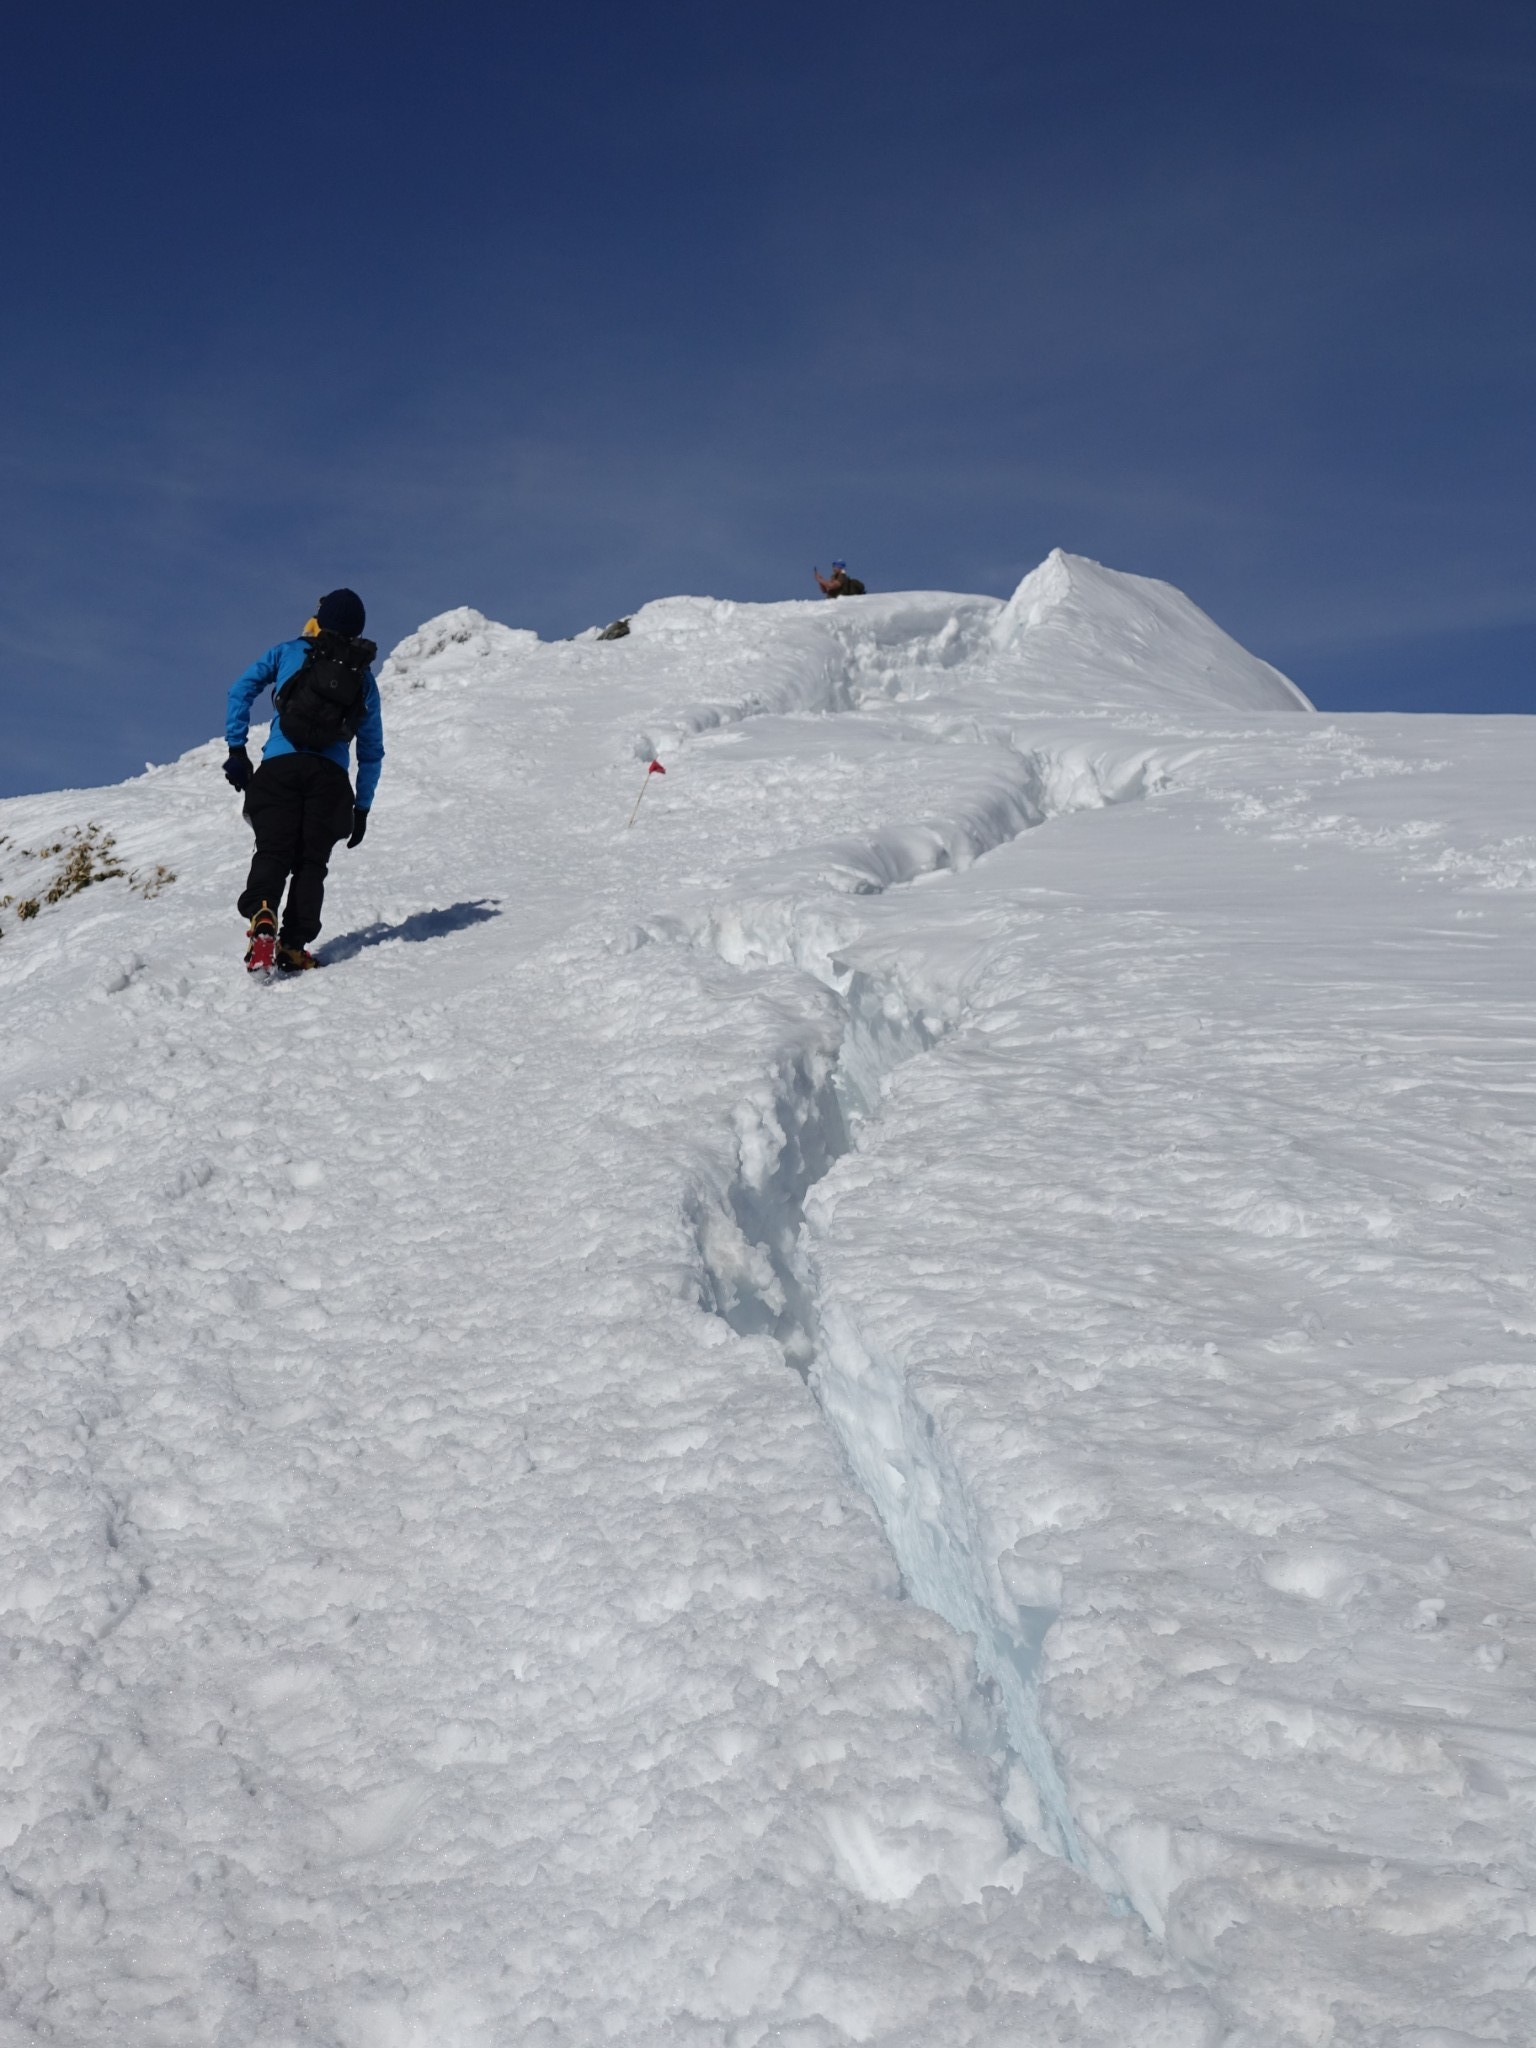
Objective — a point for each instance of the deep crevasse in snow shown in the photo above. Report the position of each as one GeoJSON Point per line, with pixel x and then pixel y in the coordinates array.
{"type": "Point", "coordinates": [431, 1623]}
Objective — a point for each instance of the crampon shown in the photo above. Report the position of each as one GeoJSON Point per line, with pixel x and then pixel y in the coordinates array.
{"type": "Point", "coordinates": [262, 934]}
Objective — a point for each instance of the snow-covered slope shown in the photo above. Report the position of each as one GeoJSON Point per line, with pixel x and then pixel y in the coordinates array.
{"type": "Point", "coordinates": [894, 1407]}
{"type": "Point", "coordinates": [1127, 643]}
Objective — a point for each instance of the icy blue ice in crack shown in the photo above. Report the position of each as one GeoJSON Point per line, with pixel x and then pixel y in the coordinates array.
{"type": "Point", "coordinates": [894, 1452]}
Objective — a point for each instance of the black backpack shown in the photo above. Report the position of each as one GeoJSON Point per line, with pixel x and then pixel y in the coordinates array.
{"type": "Point", "coordinates": [323, 702]}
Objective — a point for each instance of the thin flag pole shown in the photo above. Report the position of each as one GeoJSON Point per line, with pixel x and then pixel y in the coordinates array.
{"type": "Point", "coordinates": [654, 769]}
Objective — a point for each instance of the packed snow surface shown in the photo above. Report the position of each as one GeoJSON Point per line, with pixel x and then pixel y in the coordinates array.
{"type": "Point", "coordinates": [898, 1406]}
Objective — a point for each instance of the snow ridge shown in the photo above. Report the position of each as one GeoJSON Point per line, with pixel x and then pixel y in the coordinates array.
{"type": "Point", "coordinates": [1112, 636]}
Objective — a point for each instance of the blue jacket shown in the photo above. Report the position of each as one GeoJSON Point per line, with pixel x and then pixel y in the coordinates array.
{"type": "Point", "coordinates": [273, 670]}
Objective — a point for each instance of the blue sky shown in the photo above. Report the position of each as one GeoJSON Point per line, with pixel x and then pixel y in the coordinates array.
{"type": "Point", "coordinates": [554, 311]}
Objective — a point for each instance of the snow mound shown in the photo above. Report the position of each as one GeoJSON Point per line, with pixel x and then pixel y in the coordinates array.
{"type": "Point", "coordinates": [1130, 639]}
{"type": "Point", "coordinates": [454, 640]}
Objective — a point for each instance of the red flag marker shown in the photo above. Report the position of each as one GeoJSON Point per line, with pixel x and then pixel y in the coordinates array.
{"type": "Point", "coordinates": [654, 769]}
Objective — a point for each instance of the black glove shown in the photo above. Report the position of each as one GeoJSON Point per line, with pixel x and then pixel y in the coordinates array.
{"type": "Point", "coordinates": [237, 769]}
{"type": "Point", "coordinates": [359, 827]}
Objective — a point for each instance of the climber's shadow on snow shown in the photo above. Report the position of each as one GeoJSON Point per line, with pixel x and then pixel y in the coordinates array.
{"type": "Point", "coordinates": [420, 925]}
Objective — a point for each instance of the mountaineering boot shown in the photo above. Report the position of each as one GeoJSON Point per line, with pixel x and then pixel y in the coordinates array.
{"type": "Point", "coordinates": [294, 959]}
{"type": "Point", "coordinates": [262, 933]}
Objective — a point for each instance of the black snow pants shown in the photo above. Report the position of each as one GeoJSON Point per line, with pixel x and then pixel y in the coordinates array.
{"type": "Point", "coordinates": [298, 805]}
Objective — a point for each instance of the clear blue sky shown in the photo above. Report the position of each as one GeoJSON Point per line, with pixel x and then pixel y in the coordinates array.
{"type": "Point", "coordinates": [551, 311]}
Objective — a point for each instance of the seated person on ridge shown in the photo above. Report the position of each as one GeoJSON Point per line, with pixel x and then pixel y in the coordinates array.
{"type": "Point", "coordinates": [839, 583]}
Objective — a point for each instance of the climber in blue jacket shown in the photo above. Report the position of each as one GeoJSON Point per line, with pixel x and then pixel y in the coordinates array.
{"type": "Point", "coordinates": [299, 802]}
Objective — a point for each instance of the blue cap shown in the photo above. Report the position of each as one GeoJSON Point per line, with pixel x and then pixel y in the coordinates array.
{"type": "Point", "coordinates": [839, 565]}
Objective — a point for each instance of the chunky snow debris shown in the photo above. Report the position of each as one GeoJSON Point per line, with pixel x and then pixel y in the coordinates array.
{"type": "Point", "coordinates": [436, 1611]}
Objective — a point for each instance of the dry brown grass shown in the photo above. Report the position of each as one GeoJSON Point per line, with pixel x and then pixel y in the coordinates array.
{"type": "Point", "coordinates": [85, 855]}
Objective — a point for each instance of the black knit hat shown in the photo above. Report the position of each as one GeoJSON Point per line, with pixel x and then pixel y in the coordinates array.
{"type": "Point", "coordinates": [341, 611]}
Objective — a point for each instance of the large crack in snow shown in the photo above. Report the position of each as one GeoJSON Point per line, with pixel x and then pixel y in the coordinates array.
{"type": "Point", "coordinates": [757, 1273]}
{"type": "Point", "coordinates": [758, 1277]}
